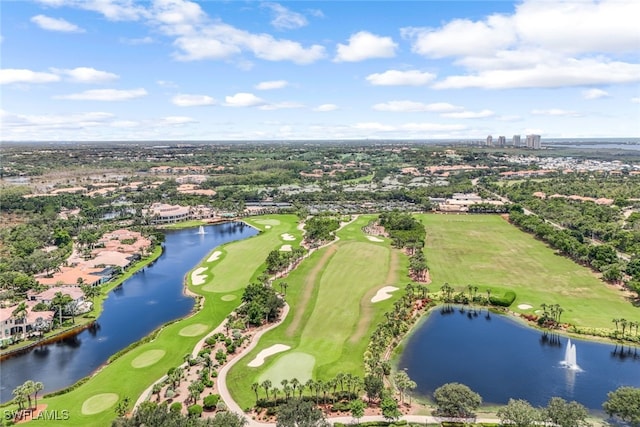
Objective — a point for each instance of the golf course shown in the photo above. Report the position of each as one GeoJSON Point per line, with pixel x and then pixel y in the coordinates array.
{"type": "Point", "coordinates": [93, 401]}
{"type": "Point", "coordinates": [332, 309]}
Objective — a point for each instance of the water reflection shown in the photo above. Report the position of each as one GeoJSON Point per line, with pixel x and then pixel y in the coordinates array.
{"type": "Point", "coordinates": [502, 359]}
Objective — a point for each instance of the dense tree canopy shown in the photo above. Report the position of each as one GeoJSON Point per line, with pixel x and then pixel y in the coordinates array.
{"type": "Point", "coordinates": [624, 403]}
{"type": "Point", "coordinates": [456, 400]}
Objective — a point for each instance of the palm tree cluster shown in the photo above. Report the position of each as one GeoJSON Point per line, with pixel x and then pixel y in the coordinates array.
{"type": "Point", "coordinates": [550, 315]}
{"type": "Point", "coordinates": [318, 390]}
{"type": "Point", "coordinates": [623, 324]}
{"type": "Point", "coordinates": [390, 332]}
{"type": "Point", "coordinates": [23, 393]}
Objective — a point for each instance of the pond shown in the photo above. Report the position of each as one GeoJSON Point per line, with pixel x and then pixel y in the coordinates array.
{"type": "Point", "coordinates": [144, 302]}
{"type": "Point", "coordinates": [499, 358]}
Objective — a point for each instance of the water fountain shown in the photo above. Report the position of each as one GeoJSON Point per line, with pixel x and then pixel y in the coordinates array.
{"type": "Point", "coordinates": [570, 361]}
{"type": "Point", "coordinates": [201, 230]}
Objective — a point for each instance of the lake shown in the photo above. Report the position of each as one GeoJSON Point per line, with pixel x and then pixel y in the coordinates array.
{"type": "Point", "coordinates": [500, 358]}
{"type": "Point", "coordinates": [147, 300]}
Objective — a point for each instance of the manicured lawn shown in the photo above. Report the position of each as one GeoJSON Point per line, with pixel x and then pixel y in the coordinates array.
{"type": "Point", "coordinates": [331, 317]}
{"type": "Point", "coordinates": [175, 340]}
{"type": "Point", "coordinates": [488, 252]}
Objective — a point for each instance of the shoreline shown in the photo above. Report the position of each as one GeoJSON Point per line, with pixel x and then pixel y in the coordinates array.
{"type": "Point", "coordinates": [98, 306]}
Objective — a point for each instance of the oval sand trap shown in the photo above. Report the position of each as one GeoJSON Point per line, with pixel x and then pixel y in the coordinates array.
{"type": "Point", "coordinates": [266, 227]}
{"type": "Point", "coordinates": [383, 294]}
{"type": "Point", "coordinates": [193, 330]}
{"type": "Point", "coordinates": [293, 365]}
{"type": "Point", "coordinates": [274, 349]}
{"type": "Point", "coordinates": [229, 297]}
{"type": "Point", "coordinates": [98, 403]}
{"type": "Point", "coordinates": [524, 306]}
{"type": "Point", "coordinates": [374, 239]}
{"type": "Point", "coordinates": [287, 237]}
{"type": "Point", "coordinates": [147, 358]}
{"type": "Point", "coordinates": [286, 248]}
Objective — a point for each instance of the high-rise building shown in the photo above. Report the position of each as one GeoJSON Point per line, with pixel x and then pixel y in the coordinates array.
{"type": "Point", "coordinates": [533, 142]}
{"type": "Point", "coordinates": [502, 141]}
{"type": "Point", "coordinates": [489, 140]}
{"type": "Point", "coordinates": [515, 141]}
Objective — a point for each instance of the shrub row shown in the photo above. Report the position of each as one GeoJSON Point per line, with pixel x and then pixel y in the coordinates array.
{"type": "Point", "coordinates": [505, 300]}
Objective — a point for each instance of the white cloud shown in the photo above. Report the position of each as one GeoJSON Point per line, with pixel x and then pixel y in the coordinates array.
{"type": "Point", "coordinates": [400, 78]}
{"type": "Point", "coordinates": [273, 84]}
{"type": "Point", "coordinates": [184, 100]}
{"type": "Point", "coordinates": [281, 106]}
{"type": "Point", "coordinates": [364, 45]}
{"type": "Point", "coordinates": [14, 122]}
{"type": "Point", "coordinates": [13, 75]}
{"type": "Point", "coordinates": [469, 114]}
{"type": "Point", "coordinates": [55, 24]}
{"type": "Point", "coordinates": [221, 41]}
{"type": "Point", "coordinates": [326, 107]}
{"type": "Point", "coordinates": [462, 37]}
{"type": "Point", "coordinates": [105, 95]}
{"type": "Point", "coordinates": [125, 124]}
{"type": "Point", "coordinates": [556, 112]}
{"type": "Point", "coordinates": [594, 94]}
{"type": "Point", "coordinates": [113, 10]}
{"type": "Point", "coordinates": [285, 19]}
{"type": "Point", "coordinates": [413, 106]}
{"type": "Point", "coordinates": [177, 120]}
{"type": "Point", "coordinates": [86, 75]}
{"type": "Point", "coordinates": [541, 44]}
{"type": "Point", "coordinates": [570, 72]}
{"type": "Point", "coordinates": [243, 99]}
{"type": "Point", "coordinates": [636, 100]}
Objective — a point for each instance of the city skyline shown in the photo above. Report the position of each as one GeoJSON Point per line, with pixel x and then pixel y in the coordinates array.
{"type": "Point", "coordinates": [182, 70]}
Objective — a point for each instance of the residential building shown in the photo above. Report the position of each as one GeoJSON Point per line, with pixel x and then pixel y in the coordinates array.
{"type": "Point", "coordinates": [534, 142]}
{"type": "Point", "coordinates": [489, 141]}
{"type": "Point", "coordinates": [515, 141]}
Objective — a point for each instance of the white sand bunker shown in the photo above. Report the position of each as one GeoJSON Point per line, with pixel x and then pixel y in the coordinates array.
{"type": "Point", "coordinates": [197, 278]}
{"type": "Point", "coordinates": [383, 294]}
{"type": "Point", "coordinates": [274, 349]}
{"type": "Point", "coordinates": [214, 256]}
{"type": "Point", "coordinates": [288, 237]}
{"type": "Point", "coordinates": [286, 248]}
{"type": "Point", "coordinates": [374, 239]}
{"type": "Point", "coordinates": [524, 306]}
{"type": "Point", "coordinates": [267, 227]}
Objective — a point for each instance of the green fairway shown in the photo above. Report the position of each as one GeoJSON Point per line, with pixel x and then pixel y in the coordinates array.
{"type": "Point", "coordinates": [331, 315]}
{"type": "Point", "coordinates": [231, 275]}
{"type": "Point", "coordinates": [92, 403]}
{"type": "Point", "coordinates": [488, 252]}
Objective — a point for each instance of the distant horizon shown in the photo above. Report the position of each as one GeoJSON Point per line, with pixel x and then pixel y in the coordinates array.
{"type": "Point", "coordinates": [629, 139]}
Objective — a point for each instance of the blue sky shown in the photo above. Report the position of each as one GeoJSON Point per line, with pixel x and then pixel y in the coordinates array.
{"type": "Point", "coordinates": [236, 70]}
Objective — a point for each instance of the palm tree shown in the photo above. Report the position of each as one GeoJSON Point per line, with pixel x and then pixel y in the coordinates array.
{"type": "Point", "coordinates": [309, 384]}
{"type": "Point", "coordinates": [287, 390]}
{"type": "Point", "coordinates": [623, 323]}
{"type": "Point", "coordinates": [616, 321]}
{"type": "Point", "coordinates": [488, 296]}
{"type": "Point", "coordinates": [37, 386]}
{"type": "Point", "coordinates": [294, 384]}
{"type": "Point", "coordinates": [275, 392]}
{"type": "Point", "coordinates": [340, 380]}
{"type": "Point", "coordinates": [28, 388]}
{"type": "Point", "coordinates": [20, 396]}
{"type": "Point", "coordinates": [266, 385]}
{"type": "Point", "coordinates": [255, 387]}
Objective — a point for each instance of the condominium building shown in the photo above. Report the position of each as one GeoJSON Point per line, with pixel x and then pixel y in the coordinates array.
{"type": "Point", "coordinates": [489, 140]}
{"type": "Point", "coordinates": [515, 141]}
{"type": "Point", "coordinates": [502, 141]}
{"type": "Point", "coordinates": [533, 142]}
